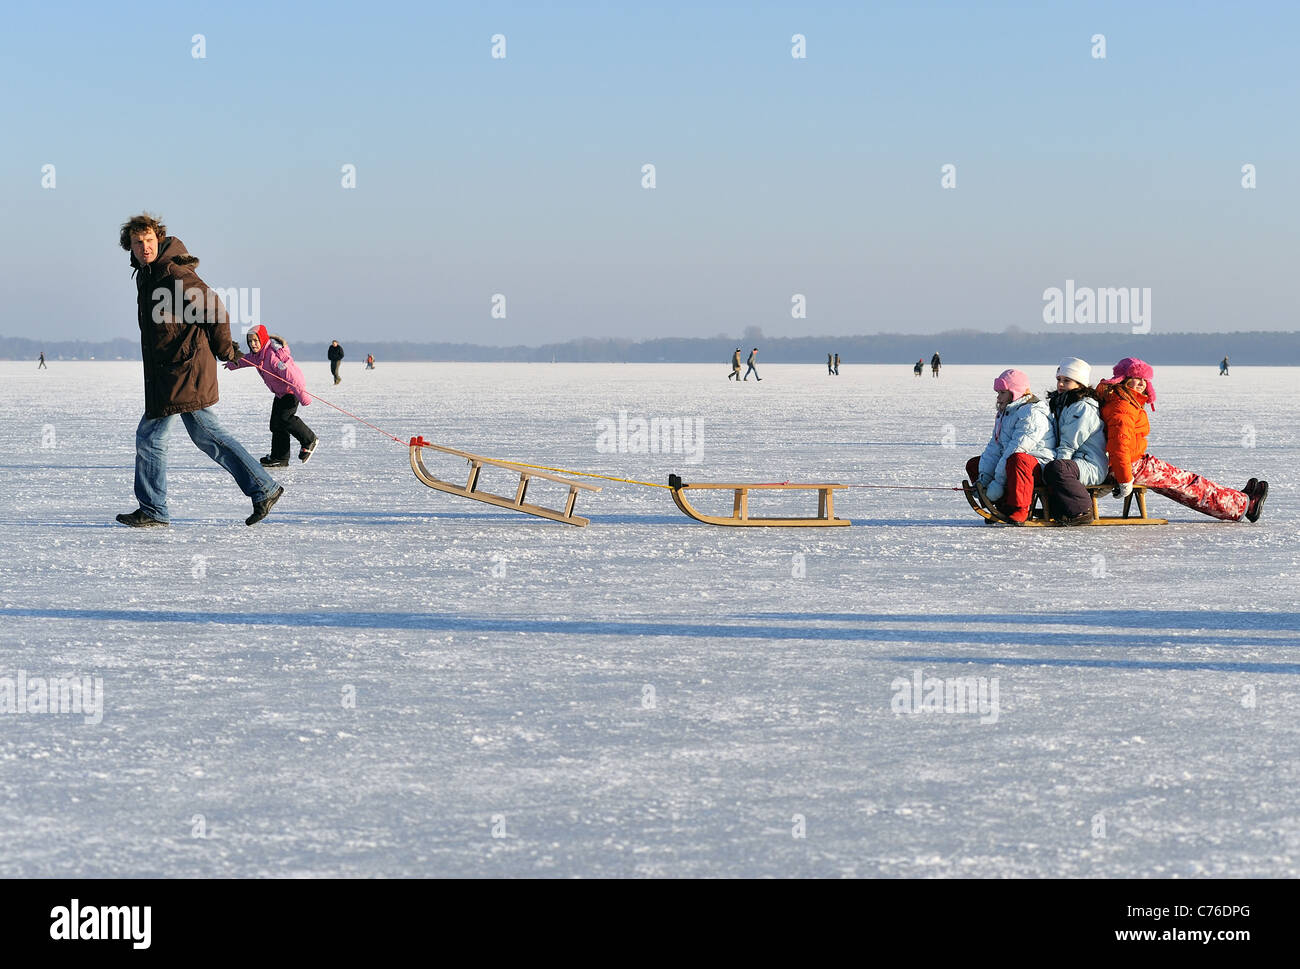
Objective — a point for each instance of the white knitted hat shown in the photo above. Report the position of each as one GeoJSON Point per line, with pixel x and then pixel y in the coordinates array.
{"type": "Point", "coordinates": [1075, 369]}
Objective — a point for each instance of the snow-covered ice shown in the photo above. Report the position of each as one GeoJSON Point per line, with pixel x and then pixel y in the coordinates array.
{"type": "Point", "coordinates": [647, 695]}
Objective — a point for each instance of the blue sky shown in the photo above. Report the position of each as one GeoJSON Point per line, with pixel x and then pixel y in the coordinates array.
{"type": "Point", "coordinates": [774, 175]}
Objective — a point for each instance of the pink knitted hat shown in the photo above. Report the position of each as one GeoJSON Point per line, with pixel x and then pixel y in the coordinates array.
{"type": "Point", "coordinates": [1133, 367]}
{"type": "Point", "coordinates": [1016, 381]}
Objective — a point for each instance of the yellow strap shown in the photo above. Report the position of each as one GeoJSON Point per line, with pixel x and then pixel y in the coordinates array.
{"type": "Point", "coordinates": [584, 474]}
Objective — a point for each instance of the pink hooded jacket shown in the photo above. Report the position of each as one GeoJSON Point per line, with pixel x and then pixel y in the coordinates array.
{"type": "Point", "coordinates": [278, 370]}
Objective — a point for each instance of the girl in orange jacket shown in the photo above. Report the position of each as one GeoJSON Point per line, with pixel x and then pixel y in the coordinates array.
{"type": "Point", "coordinates": [1124, 398]}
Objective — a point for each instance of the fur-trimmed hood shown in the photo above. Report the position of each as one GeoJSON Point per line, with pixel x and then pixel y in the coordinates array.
{"type": "Point", "coordinates": [1058, 400]}
{"type": "Point", "coordinates": [184, 330]}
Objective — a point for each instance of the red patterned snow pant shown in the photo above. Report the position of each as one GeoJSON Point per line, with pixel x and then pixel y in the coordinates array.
{"type": "Point", "coordinates": [1023, 472]}
{"type": "Point", "coordinates": [1190, 489]}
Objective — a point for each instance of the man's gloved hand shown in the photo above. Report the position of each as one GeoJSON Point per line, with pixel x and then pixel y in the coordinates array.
{"type": "Point", "coordinates": [985, 480]}
{"type": "Point", "coordinates": [1123, 490]}
{"type": "Point", "coordinates": [994, 491]}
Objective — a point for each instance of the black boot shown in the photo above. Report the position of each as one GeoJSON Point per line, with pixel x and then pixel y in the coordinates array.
{"type": "Point", "coordinates": [263, 508]}
{"type": "Point", "coordinates": [138, 519]}
{"type": "Point", "coordinates": [1084, 518]}
{"type": "Point", "coordinates": [1257, 496]}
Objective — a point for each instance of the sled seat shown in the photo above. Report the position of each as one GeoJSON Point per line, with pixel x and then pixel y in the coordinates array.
{"type": "Point", "coordinates": [1139, 492]}
{"type": "Point", "coordinates": [740, 515]}
{"type": "Point", "coordinates": [1038, 506]}
{"type": "Point", "coordinates": [978, 501]}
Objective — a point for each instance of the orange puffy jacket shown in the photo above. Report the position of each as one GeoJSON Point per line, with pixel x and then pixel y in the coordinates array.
{"type": "Point", "coordinates": [1127, 428]}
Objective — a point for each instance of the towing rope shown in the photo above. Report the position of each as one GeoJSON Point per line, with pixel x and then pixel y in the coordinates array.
{"type": "Point", "coordinates": [327, 403]}
{"type": "Point", "coordinates": [417, 441]}
{"type": "Point", "coordinates": [585, 474]}
{"type": "Point", "coordinates": [906, 487]}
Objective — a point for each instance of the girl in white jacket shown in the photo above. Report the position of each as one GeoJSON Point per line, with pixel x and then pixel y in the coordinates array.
{"type": "Point", "coordinates": [1080, 457]}
{"type": "Point", "coordinates": [1022, 441]}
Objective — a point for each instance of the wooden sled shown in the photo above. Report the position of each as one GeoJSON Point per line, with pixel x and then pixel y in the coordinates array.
{"type": "Point", "coordinates": [740, 505]}
{"type": "Point", "coordinates": [1038, 507]}
{"type": "Point", "coordinates": [517, 503]}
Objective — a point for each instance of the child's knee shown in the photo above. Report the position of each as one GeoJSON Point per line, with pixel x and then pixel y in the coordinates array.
{"type": "Point", "coordinates": [1054, 472]}
{"type": "Point", "coordinates": [1022, 463]}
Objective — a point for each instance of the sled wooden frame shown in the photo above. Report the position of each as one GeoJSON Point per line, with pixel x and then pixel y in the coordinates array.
{"type": "Point", "coordinates": [517, 503]}
{"type": "Point", "coordinates": [980, 502]}
{"type": "Point", "coordinates": [740, 503]}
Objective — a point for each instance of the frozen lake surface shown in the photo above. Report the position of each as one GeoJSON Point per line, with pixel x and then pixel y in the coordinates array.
{"type": "Point", "coordinates": [384, 680]}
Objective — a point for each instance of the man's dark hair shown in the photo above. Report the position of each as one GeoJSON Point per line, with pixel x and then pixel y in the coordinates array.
{"type": "Point", "coordinates": [138, 224]}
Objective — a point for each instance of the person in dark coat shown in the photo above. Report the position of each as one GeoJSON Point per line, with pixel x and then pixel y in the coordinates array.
{"type": "Point", "coordinates": [184, 329]}
{"type": "Point", "coordinates": [920, 365]}
{"type": "Point", "coordinates": [830, 366]}
{"type": "Point", "coordinates": [41, 364]}
{"type": "Point", "coordinates": [735, 366]}
{"type": "Point", "coordinates": [837, 364]}
{"type": "Point", "coordinates": [336, 360]}
{"type": "Point", "coordinates": [934, 364]}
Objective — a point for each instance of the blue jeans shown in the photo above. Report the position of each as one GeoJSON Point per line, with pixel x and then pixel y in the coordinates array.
{"type": "Point", "coordinates": [209, 437]}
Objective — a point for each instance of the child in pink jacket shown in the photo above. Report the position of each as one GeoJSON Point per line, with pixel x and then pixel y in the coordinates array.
{"type": "Point", "coordinates": [284, 378]}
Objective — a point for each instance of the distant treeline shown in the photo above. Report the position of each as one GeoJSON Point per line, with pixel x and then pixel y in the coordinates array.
{"type": "Point", "coordinates": [1256, 348]}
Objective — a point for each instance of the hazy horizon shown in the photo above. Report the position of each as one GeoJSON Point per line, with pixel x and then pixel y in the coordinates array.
{"type": "Point", "coordinates": [355, 338]}
{"type": "Point", "coordinates": [775, 176]}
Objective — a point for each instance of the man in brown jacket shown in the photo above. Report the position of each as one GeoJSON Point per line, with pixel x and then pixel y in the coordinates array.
{"type": "Point", "coordinates": [183, 330]}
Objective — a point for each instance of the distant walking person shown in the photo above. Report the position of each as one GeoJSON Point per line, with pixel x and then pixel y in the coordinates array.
{"type": "Point", "coordinates": [920, 365]}
{"type": "Point", "coordinates": [1223, 367]}
{"type": "Point", "coordinates": [837, 364]}
{"type": "Point", "coordinates": [830, 366]}
{"type": "Point", "coordinates": [752, 354]}
{"type": "Point", "coordinates": [179, 346]}
{"type": "Point", "coordinates": [286, 381]}
{"type": "Point", "coordinates": [934, 364]}
{"type": "Point", "coordinates": [336, 360]}
{"type": "Point", "coordinates": [370, 361]}
{"type": "Point", "coordinates": [41, 364]}
{"type": "Point", "coordinates": [735, 366]}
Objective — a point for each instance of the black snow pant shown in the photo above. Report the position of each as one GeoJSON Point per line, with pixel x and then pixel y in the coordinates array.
{"type": "Point", "coordinates": [1067, 497]}
{"type": "Point", "coordinates": [285, 421]}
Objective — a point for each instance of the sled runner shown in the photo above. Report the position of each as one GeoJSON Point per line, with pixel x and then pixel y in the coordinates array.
{"type": "Point", "coordinates": [517, 503]}
{"type": "Point", "coordinates": [1038, 507]}
{"type": "Point", "coordinates": [740, 504]}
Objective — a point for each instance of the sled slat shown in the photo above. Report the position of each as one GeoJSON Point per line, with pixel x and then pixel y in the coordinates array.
{"type": "Point", "coordinates": [516, 503]}
{"type": "Point", "coordinates": [740, 503]}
